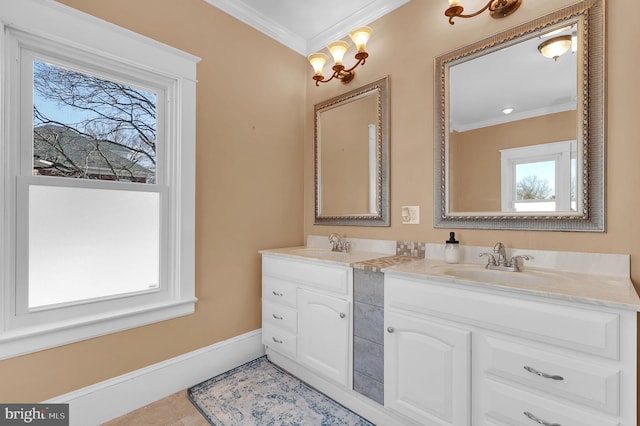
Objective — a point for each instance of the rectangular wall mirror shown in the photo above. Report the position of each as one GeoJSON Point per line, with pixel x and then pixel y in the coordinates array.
{"type": "Point", "coordinates": [519, 141]}
{"type": "Point", "coordinates": [351, 157]}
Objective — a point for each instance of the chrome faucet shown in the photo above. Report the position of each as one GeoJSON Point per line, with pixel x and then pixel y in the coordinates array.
{"type": "Point", "coordinates": [338, 243]}
{"type": "Point", "coordinates": [498, 259]}
{"type": "Point", "coordinates": [502, 254]}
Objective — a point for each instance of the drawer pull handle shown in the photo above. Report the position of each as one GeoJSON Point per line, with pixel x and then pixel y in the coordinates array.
{"type": "Point", "coordinates": [342, 315]}
{"type": "Point", "coordinates": [541, 374]}
{"type": "Point", "coordinates": [390, 329]}
{"type": "Point", "coordinates": [275, 293]}
{"type": "Point", "coordinates": [277, 341]}
{"type": "Point", "coordinates": [540, 421]}
{"type": "Point", "coordinates": [278, 317]}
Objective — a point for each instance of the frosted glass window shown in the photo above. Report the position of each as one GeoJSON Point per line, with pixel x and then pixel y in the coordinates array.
{"type": "Point", "coordinates": [91, 244]}
{"type": "Point", "coordinates": [97, 159]}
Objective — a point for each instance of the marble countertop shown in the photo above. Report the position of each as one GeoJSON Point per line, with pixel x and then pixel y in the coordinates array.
{"type": "Point", "coordinates": [379, 264]}
{"type": "Point", "coordinates": [603, 290]}
{"type": "Point", "coordinates": [325, 255]}
{"type": "Point", "coordinates": [615, 290]}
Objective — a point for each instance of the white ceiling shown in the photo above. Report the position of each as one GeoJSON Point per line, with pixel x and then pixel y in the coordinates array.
{"type": "Point", "coordinates": [306, 26]}
{"type": "Point", "coordinates": [517, 76]}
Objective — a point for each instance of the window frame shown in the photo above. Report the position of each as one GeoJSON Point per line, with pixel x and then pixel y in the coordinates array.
{"type": "Point", "coordinates": [561, 153]}
{"type": "Point", "coordinates": [52, 30]}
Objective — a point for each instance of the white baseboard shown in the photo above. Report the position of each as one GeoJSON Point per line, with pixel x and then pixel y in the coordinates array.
{"type": "Point", "coordinates": [114, 397]}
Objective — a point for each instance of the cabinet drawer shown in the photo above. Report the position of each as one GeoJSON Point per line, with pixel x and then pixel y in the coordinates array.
{"type": "Point", "coordinates": [279, 316]}
{"type": "Point", "coordinates": [511, 406]}
{"type": "Point", "coordinates": [279, 340]}
{"type": "Point", "coordinates": [329, 278]}
{"type": "Point", "coordinates": [557, 375]}
{"type": "Point", "coordinates": [278, 291]}
{"type": "Point", "coordinates": [575, 328]}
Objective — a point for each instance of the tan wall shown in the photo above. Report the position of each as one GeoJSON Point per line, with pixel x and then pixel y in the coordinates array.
{"type": "Point", "coordinates": [404, 45]}
{"type": "Point", "coordinates": [475, 182]}
{"type": "Point", "coordinates": [249, 192]}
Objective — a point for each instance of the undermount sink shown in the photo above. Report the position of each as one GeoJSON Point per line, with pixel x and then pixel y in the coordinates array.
{"type": "Point", "coordinates": [480, 274]}
{"type": "Point", "coordinates": [312, 250]}
{"type": "Point", "coordinates": [318, 252]}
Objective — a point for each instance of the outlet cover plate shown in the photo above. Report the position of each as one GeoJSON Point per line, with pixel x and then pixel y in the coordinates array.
{"type": "Point", "coordinates": [410, 215]}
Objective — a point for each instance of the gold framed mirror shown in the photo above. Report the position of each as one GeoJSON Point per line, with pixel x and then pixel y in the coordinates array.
{"type": "Point", "coordinates": [351, 157]}
{"type": "Point", "coordinates": [520, 132]}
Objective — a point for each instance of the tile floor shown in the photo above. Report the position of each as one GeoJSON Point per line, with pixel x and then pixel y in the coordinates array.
{"type": "Point", "coordinates": [174, 410]}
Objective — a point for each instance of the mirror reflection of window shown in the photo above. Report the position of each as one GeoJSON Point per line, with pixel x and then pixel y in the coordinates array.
{"type": "Point", "coordinates": [539, 178]}
{"type": "Point", "coordinates": [373, 168]}
{"type": "Point", "coordinates": [535, 186]}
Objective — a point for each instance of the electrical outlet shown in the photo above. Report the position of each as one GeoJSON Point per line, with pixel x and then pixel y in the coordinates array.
{"type": "Point", "coordinates": [410, 215]}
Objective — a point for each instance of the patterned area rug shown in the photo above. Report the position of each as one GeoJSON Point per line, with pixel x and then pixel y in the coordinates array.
{"type": "Point", "coordinates": [259, 393]}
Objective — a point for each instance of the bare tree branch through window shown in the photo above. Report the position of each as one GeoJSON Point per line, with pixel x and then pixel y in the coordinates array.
{"type": "Point", "coordinates": [92, 128]}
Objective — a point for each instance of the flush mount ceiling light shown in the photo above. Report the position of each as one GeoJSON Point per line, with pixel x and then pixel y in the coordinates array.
{"type": "Point", "coordinates": [360, 37]}
{"type": "Point", "coordinates": [555, 47]}
{"type": "Point", "coordinates": [497, 9]}
{"type": "Point", "coordinates": [507, 110]}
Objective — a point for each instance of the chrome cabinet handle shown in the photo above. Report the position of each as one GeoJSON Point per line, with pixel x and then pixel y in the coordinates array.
{"type": "Point", "coordinates": [390, 329]}
{"type": "Point", "coordinates": [540, 421]}
{"type": "Point", "coordinates": [278, 317]}
{"type": "Point", "coordinates": [276, 340]}
{"type": "Point", "coordinates": [342, 315]}
{"type": "Point", "coordinates": [275, 293]}
{"type": "Point", "coordinates": [541, 374]}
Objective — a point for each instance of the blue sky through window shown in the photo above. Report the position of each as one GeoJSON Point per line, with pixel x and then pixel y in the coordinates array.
{"type": "Point", "coordinates": [544, 170]}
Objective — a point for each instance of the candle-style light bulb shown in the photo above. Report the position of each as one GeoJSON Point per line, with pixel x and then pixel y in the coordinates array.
{"type": "Point", "coordinates": [317, 61]}
{"type": "Point", "coordinates": [360, 37]}
{"type": "Point", "coordinates": [338, 49]}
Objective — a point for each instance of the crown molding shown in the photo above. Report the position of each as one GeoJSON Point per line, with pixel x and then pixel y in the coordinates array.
{"type": "Point", "coordinates": [373, 11]}
{"type": "Point", "coordinates": [262, 23]}
{"type": "Point", "coordinates": [515, 116]}
{"type": "Point", "coordinates": [299, 44]}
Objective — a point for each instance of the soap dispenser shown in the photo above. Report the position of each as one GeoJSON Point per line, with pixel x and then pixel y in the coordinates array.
{"type": "Point", "coordinates": [452, 249]}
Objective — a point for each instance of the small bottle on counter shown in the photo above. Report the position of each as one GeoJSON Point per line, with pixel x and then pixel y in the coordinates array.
{"type": "Point", "coordinates": [452, 249]}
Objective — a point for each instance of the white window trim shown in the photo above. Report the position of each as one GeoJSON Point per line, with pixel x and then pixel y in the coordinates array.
{"type": "Point", "coordinates": [89, 36]}
{"type": "Point", "coordinates": [560, 152]}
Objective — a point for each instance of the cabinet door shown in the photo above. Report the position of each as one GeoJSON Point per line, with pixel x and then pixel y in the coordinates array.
{"type": "Point", "coordinates": [323, 334]}
{"type": "Point", "coordinates": [427, 370]}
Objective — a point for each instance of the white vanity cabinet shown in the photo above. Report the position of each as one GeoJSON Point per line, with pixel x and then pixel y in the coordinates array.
{"type": "Point", "coordinates": [459, 354]}
{"type": "Point", "coordinates": [427, 369]}
{"type": "Point", "coordinates": [323, 334]}
{"type": "Point", "coordinates": [306, 314]}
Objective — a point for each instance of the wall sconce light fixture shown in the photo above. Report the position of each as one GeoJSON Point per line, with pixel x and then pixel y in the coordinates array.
{"type": "Point", "coordinates": [497, 9]}
{"type": "Point", "coordinates": [337, 49]}
{"type": "Point", "coordinates": [555, 47]}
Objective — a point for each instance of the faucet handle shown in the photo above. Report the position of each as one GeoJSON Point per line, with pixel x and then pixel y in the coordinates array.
{"type": "Point", "coordinates": [491, 260]}
{"type": "Point", "coordinates": [335, 239]}
{"type": "Point", "coordinates": [514, 260]}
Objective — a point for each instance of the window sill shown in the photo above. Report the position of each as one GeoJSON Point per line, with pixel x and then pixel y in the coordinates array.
{"type": "Point", "coordinates": [35, 338]}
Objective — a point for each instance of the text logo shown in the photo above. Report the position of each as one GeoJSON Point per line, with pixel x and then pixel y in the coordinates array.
{"type": "Point", "coordinates": [34, 414]}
